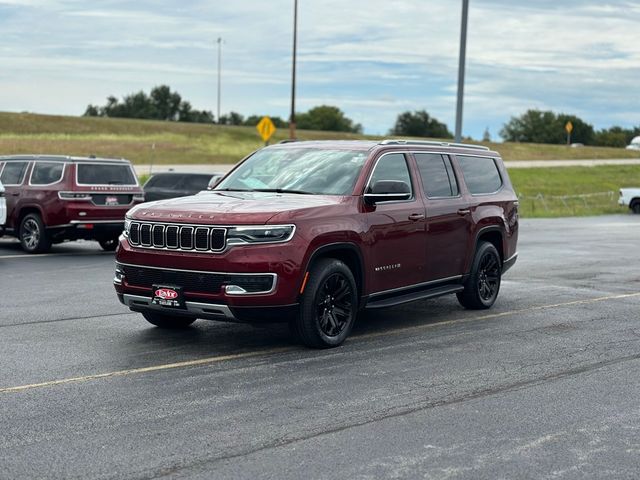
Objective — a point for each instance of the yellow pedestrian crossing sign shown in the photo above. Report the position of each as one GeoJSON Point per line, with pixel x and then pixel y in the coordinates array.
{"type": "Point", "coordinates": [266, 128]}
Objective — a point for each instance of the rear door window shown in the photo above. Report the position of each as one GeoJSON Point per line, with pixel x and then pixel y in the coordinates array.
{"type": "Point", "coordinates": [437, 175]}
{"type": "Point", "coordinates": [167, 181]}
{"type": "Point", "coordinates": [46, 173]}
{"type": "Point", "coordinates": [13, 173]}
{"type": "Point", "coordinates": [480, 174]}
{"type": "Point", "coordinates": [104, 174]}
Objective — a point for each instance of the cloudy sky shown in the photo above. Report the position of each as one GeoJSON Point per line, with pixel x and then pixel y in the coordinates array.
{"type": "Point", "coordinates": [372, 58]}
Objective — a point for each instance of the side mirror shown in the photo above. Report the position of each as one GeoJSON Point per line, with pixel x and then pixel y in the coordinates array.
{"type": "Point", "coordinates": [387, 191]}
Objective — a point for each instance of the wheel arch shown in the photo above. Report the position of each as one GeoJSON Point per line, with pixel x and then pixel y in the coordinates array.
{"type": "Point", "coordinates": [26, 210]}
{"type": "Point", "coordinates": [494, 235]}
{"type": "Point", "coordinates": [348, 253]}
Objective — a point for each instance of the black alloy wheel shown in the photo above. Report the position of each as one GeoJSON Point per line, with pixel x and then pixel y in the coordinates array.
{"type": "Point", "coordinates": [483, 285]}
{"type": "Point", "coordinates": [329, 305]}
{"type": "Point", "coordinates": [333, 305]}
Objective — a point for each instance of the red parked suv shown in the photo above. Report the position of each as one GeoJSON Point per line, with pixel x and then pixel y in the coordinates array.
{"type": "Point", "coordinates": [313, 232]}
{"type": "Point", "coordinates": [51, 199]}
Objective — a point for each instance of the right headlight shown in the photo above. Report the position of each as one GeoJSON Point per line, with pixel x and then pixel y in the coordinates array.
{"type": "Point", "coordinates": [260, 234]}
{"type": "Point", "coordinates": [127, 227]}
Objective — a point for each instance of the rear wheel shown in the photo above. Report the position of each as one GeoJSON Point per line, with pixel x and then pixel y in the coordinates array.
{"type": "Point", "coordinates": [109, 244]}
{"type": "Point", "coordinates": [635, 206]}
{"type": "Point", "coordinates": [33, 235]}
{"type": "Point", "coordinates": [329, 305]}
{"type": "Point", "coordinates": [168, 321]}
{"type": "Point", "coordinates": [482, 286]}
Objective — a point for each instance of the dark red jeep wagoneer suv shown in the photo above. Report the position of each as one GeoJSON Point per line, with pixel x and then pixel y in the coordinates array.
{"type": "Point", "coordinates": [51, 199]}
{"type": "Point", "coordinates": [313, 232]}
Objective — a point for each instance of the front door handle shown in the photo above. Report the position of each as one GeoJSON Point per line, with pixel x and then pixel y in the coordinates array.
{"type": "Point", "coordinates": [464, 211]}
{"type": "Point", "coordinates": [414, 217]}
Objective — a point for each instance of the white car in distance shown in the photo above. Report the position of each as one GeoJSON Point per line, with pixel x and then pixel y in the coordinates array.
{"type": "Point", "coordinates": [630, 197]}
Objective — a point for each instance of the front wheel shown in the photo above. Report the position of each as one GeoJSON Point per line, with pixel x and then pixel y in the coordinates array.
{"type": "Point", "coordinates": [33, 234]}
{"type": "Point", "coordinates": [329, 305]}
{"type": "Point", "coordinates": [482, 286]}
{"type": "Point", "coordinates": [168, 321]}
{"type": "Point", "coordinates": [635, 208]}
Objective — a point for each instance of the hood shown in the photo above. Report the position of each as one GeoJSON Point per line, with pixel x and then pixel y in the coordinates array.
{"type": "Point", "coordinates": [228, 208]}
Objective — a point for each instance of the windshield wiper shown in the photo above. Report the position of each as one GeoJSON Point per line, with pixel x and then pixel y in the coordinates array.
{"type": "Point", "coordinates": [282, 190]}
{"type": "Point", "coordinates": [233, 190]}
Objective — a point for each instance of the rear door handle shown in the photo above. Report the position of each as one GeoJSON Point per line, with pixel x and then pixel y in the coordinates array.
{"type": "Point", "coordinates": [464, 211]}
{"type": "Point", "coordinates": [416, 216]}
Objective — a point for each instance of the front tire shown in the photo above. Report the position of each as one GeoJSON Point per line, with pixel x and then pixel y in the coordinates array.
{"type": "Point", "coordinates": [482, 286]}
{"type": "Point", "coordinates": [635, 207]}
{"type": "Point", "coordinates": [169, 322]}
{"type": "Point", "coordinates": [329, 305]}
{"type": "Point", "coordinates": [33, 234]}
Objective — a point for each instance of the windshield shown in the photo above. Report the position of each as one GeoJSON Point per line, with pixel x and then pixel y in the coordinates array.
{"type": "Point", "coordinates": [298, 170]}
{"type": "Point", "coordinates": [105, 174]}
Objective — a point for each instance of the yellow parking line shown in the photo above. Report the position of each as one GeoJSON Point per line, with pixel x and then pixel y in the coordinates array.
{"type": "Point", "coordinates": [237, 356]}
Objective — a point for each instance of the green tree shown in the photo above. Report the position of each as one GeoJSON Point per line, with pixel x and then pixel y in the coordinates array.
{"type": "Point", "coordinates": [326, 117]}
{"type": "Point", "coordinates": [232, 118]}
{"type": "Point", "coordinates": [615, 136]}
{"type": "Point", "coordinates": [253, 120]}
{"type": "Point", "coordinates": [536, 126]}
{"type": "Point", "coordinates": [419, 124]}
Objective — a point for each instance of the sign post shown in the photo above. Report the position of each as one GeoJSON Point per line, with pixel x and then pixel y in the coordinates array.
{"type": "Point", "coordinates": [266, 129]}
{"type": "Point", "coordinates": [569, 128]}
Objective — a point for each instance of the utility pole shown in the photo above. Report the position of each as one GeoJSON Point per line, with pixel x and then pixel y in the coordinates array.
{"type": "Point", "coordinates": [292, 118]}
{"type": "Point", "coordinates": [219, 75]}
{"type": "Point", "coordinates": [463, 49]}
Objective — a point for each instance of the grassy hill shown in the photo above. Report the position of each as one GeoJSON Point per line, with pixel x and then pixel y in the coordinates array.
{"type": "Point", "coordinates": [197, 143]}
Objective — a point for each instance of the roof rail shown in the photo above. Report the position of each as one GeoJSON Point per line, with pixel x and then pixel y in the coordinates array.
{"type": "Point", "coordinates": [288, 140]}
{"type": "Point", "coordinates": [433, 143]}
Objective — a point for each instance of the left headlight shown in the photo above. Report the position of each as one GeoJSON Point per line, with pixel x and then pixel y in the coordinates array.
{"type": "Point", "coordinates": [260, 234]}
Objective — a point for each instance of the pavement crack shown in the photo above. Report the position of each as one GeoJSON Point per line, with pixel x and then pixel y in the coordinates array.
{"type": "Point", "coordinates": [397, 412]}
{"type": "Point", "coordinates": [68, 319]}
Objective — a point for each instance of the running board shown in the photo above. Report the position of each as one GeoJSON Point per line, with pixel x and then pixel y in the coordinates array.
{"type": "Point", "coordinates": [410, 297]}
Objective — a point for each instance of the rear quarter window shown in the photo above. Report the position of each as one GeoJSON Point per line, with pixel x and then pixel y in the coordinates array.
{"type": "Point", "coordinates": [45, 173]}
{"type": "Point", "coordinates": [104, 174]}
{"type": "Point", "coordinates": [480, 174]}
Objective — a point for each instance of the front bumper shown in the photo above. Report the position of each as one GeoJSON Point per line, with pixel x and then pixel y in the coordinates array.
{"type": "Point", "coordinates": [214, 311]}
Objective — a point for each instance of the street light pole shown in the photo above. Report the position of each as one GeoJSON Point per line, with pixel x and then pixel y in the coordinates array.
{"type": "Point", "coordinates": [292, 118]}
{"type": "Point", "coordinates": [219, 75]}
{"type": "Point", "coordinates": [463, 48]}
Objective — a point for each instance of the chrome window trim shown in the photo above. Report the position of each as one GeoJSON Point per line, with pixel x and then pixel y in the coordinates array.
{"type": "Point", "coordinates": [133, 172]}
{"type": "Point", "coordinates": [495, 163]}
{"type": "Point", "coordinates": [274, 277]}
{"type": "Point", "coordinates": [24, 174]}
{"type": "Point", "coordinates": [390, 202]}
{"type": "Point", "coordinates": [35, 164]}
{"type": "Point", "coordinates": [459, 195]}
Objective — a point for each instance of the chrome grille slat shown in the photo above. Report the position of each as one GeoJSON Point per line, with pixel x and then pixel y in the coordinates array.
{"type": "Point", "coordinates": [158, 236]}
{"type": "Point", "coordinates": [161, 236]}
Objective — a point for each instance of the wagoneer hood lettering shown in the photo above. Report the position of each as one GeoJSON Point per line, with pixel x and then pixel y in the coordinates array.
{"type": "Point", "coordinates": [219, 208]}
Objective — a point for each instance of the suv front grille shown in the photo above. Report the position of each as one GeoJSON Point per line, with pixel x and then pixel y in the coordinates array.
{"type": "Point", "coordinates": [203, 282]}
{"type": "Point", "coordinates": [177, 237]}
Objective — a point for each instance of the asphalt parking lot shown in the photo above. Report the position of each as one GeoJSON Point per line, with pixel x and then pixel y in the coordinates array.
{"type": "Point", "coordinates": [544, 385]}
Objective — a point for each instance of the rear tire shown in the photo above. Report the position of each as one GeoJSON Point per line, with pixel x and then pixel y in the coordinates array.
{"type": "Point", "coordinates": [33, 234]}
{"type": "Point", "coordinates": [171, 322]}
{"type": "Point", "coordinates": [109, 244]}
{"type": "Point", "coordinates": [329, 305]}
{"type": "Point", "coordinates": [483, 285]}
{"type": "Point", "coordinates": [635, 207]}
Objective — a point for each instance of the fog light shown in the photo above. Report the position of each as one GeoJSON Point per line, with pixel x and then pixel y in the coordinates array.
{"type": "Point", "coordinates": [234, 290]}
{"type": "Point", "coordinates": [119, 277]}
